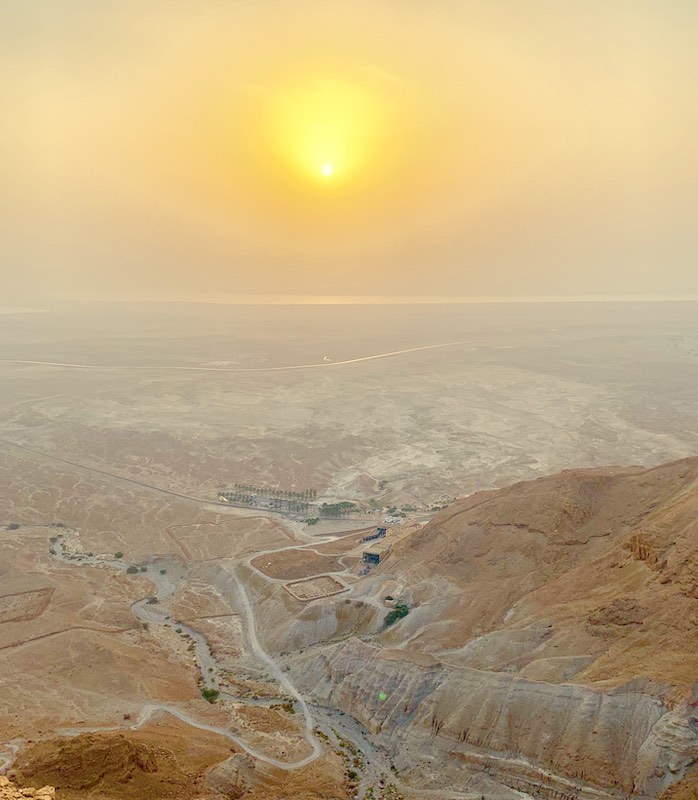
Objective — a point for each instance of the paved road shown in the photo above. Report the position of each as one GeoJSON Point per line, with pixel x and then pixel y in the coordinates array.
{"type": "Point", "coordinates": [321, 365]}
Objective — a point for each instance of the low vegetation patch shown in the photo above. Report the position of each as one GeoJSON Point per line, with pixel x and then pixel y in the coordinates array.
{"type": "Point", "coordinates": [401, 610]}
{"type": "Point", "coordinates": [336, 509]}
{"type": "Point", "coordinates": [210, 695]}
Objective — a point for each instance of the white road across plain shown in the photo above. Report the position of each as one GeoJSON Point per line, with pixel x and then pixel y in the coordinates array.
{"type": "Point", "coordinates": [321, 365]}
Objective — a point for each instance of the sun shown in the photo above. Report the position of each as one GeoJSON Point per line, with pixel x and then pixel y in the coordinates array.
{"type": "Point", "coordinates": [324, 128]}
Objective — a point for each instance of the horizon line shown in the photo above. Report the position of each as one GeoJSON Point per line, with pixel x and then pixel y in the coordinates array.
{"type": "Point", "coordinates": [288, 299]}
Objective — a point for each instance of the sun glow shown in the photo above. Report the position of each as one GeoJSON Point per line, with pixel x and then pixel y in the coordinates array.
{"type": "Point", "coordinates": [321, 128]}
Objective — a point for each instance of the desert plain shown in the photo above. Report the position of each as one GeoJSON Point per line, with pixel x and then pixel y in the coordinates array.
{"type": "Point", "coordinates": [228, 651]}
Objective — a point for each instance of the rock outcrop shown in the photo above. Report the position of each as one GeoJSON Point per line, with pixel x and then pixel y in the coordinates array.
{"type": "Point", "coordinates": [552, 643]}
{"type": "Point", "coordinates": [536, 737]}
{"type": "Point", "coordinates": [8, 791]}
{"type": "Point", "coordinates": [232, 778]}
{"type": "Point", "coordinates": [111, 765]}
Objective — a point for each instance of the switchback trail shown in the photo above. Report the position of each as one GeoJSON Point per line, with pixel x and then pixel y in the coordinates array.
{"type": "Point", "coordinates": [159, 615]}
{"type": "Point", "coordinates": [153, 708]}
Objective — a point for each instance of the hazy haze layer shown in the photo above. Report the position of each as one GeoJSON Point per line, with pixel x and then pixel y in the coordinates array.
{"type": "Point", "coordinates": [153, 149]}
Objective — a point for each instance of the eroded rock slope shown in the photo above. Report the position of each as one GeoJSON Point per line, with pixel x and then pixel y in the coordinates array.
{"type": "Point", "coordinates": [552, 644]}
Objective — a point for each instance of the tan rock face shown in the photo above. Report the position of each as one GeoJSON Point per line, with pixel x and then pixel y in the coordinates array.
{"type": "Point", "coordinates": [232, 778]}
{"type": "Point", "coordinates": [552, 642]}
{"type": "Point", "coordinates": [8, 791]}
{"type": "Point", "coordinates": [133, 765]}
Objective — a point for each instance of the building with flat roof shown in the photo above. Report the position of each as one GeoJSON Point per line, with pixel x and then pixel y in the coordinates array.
{"type": "Point", "coordinates": [377, 551]}
{"type": "Point", "coordinates": [378, 533]}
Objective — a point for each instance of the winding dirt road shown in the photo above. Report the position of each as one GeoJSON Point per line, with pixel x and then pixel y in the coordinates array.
{"type": "Point", "coordinates": [375, 763]}
{"type": "Point", "coordinates": [154, 708]}
{"type": "Point", "coordinates": [157, 614]}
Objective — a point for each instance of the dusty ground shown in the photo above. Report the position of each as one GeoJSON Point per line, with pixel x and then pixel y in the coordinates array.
{"type": "Point", "coordinates": [534, 389]}
{"type": "Point", "coordinates": [313, 588]}
{"type": "Point", "coordinates": [84, 655]}
{"type": "Point", "coordinates": [74, 653]}
{"type": "Point", "coordinates": [76, 656]}
{"type": "Point", "coordinates": [293, 564]}
{"type": "Point", "coordinates": [686, 789]}
{"type": "Point", "coordinates": [343, 545]}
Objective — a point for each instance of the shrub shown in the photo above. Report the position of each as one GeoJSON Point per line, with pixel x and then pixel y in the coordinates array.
{"type": "Point", "coordinates": [144, 569]}
{"type": "Point", "coordinates": [132, 570]}
{"type": "Point", "coordinates": [395, 614]}
{"type": "Point", "coordinates": [163, 572]}
{"type": "Point", "coordinates": [210, 695]}
{"type": "Point", "coordinates": [13, 526]}
{"type": "Point", "coordinates": [119, 554]}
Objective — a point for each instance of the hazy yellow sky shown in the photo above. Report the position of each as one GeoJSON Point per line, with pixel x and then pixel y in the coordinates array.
{"type": "Point", "coordinates": [177, 148]}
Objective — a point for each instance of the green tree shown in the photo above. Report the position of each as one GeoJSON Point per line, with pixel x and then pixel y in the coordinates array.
{"type": "Point", "coordinates": [401, 610]}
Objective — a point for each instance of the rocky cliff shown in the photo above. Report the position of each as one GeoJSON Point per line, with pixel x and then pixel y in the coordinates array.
{"type": "Point", "coordinates": [549, 740]}
{"type": "Point", "coordinates": [552, 644]}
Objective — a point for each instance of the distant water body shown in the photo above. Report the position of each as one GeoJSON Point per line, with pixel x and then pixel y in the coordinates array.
{"type": "Point", "coordinates": [329, 300]}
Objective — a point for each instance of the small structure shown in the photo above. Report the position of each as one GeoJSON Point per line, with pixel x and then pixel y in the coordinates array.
{"type": "Point", "coordinates": [379, 533]}
{"type": "Point", "coordinates": [377, 552]}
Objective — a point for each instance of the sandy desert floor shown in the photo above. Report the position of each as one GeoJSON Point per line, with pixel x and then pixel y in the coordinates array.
{"type": "Point", "coordinates": [119, 464]}
{"type": "Point", "coordinates": [529, 390]}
